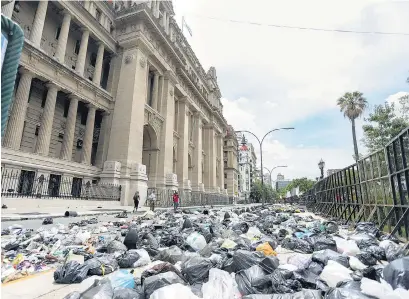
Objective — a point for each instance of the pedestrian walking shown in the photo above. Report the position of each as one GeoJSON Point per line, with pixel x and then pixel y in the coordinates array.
{"type": "Point", "coordinates": [152, 199]}
{"type": "Point", "coordinates": [136, 201]}
{"type": "Point", "coordinates": [175, 201]}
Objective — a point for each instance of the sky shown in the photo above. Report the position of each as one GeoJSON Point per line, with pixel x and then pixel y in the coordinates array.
{"type": "Point", "coordinates": [277, 77]}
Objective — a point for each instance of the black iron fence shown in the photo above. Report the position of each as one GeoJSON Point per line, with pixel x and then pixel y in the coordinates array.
{"type": "Point", "coordinates": [24, 183]}
{"type": "Point", "coordinates": [374, 189]}
{"type": "Point", "coordinates": [164, 198]}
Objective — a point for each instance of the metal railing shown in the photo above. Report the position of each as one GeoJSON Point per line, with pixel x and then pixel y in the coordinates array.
{"type": "Point", "coordinates": [164, 198]}
{"type": "Point", "coordinates": [373, 189]}
{"type": "Point", "coordinates": [29, 184]}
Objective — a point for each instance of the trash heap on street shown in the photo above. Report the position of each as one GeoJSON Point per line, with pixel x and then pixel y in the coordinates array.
{"type": "Point", "coordinates": [275, 252]}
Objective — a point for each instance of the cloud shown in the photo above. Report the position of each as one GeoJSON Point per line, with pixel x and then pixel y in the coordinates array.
{"type": "Point", "coordinates": [275, 77]}
{"type": "Point", "coordinates": [394, 99]}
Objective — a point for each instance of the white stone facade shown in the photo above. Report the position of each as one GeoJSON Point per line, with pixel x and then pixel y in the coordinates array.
{"type": "Point", "coordinates": [247, 166]}
{"type": "Point", "coordinates": [113, 93]}
{"type": "Point", "coordinates": [231, 167]}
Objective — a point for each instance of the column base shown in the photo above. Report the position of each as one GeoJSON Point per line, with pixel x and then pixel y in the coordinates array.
{"type": "Point", "coordinates": [199, 188]}
{"type": "Point", "coordinates": [111, 173]}
{"type": "Point", "coordinates": [171, 182]}
{"type": "Point", "coordinates": [138, 182]}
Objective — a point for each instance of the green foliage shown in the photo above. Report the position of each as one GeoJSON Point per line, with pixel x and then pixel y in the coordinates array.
{"type": "Point", "coordinates": [404, 102]}
{"type": "Point", "coordinates": [381, 126]}
{"type": "Point", "coordinates": [352, 104]}
{"type": "Point", "coordinates": [257, 191]}
{"type": "Point", "coordinates": [303, 183]}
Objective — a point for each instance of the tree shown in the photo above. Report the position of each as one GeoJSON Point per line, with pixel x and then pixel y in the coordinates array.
{"type": "Point", "coordinates": [353, 104]}
{"type": "Point", "coordinates": [381, 126]}
{"type": "Point", "coordinates": [257, 191]}
{"type": "Point", "coordinates": [304, 185]}
{"type": "Point", "coordinates": [404, 102]}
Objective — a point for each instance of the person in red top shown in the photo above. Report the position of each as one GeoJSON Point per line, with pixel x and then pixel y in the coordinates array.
{"type": "Point", "coordinates": [175, 200]}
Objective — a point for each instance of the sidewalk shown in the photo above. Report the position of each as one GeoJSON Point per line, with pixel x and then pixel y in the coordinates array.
{"type": "Point", "coordinates": [28, 209]}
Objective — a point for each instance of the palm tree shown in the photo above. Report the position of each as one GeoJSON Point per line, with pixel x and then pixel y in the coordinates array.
{"type": "Point", "coordinates": [353, 104]}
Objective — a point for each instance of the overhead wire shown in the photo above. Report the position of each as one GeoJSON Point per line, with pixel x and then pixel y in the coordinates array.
{"type": "Point", "coordinates": [299, 27]}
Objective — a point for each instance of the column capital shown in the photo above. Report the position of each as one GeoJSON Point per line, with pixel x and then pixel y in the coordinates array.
{"type": "Point", "coordinates": [105, 113]}
{"type": "Point", "coordinates": [65, 12]}
{"type": "Point", "coordinates": [183, 99]}
{"type": "Point", "coordinates": [74, 97]}
{"type": "Point", "coordinates": [84, 29]}
{"type": "Point", "coordinates": [23, 70]}
{"type": "Point", "coordinates": [51, 85]}
{"type": "Point", "coordinates": [90, 106]}
{"type": "Point", "coordinates": [100, 43]}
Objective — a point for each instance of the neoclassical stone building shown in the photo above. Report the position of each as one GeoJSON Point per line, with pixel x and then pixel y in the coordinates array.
{"type": "Point", "coordinates": [113, 93]}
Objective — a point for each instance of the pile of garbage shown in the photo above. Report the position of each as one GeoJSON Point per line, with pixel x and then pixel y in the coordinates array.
{"type": "Point", "coordinates": [272, 252]}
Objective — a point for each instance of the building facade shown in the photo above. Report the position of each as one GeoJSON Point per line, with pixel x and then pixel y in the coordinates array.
{"type": "Point", "coordinates": [281, 182]}
{"type": "Point", "coordinates": [113, 94]}
{"type": "Point", "coordinates": [230, 160]}
{"type": "Point", "coordinates": [247, 166]}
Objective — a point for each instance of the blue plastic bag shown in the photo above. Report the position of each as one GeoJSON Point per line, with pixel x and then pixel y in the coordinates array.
{"type": "Point", "coordinates": [123, 279]}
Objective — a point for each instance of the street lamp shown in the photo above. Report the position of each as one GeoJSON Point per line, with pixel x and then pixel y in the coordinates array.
{"type": "Point", "coordinates": [261, 148]}
{"type": "Point", "coordinates": [271, 171]}
{"type": "Point", "coordinates": [321, 165]}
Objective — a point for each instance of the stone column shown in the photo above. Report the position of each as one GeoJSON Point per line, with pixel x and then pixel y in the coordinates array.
{"type": "Point", "coordinates": [98, 65]}
{"type": "Point", "coordinates": [62, 39]}
{"type": "Point", "coordinates": [197, 183]}
{"type": "Point", "coordinates": [220, 152]}
{"type": "Point", "coordinates": [38, 23]}
{"type": "Point", "coordinates": [88, 135]}
{"type": "Point", "coordinates": [210, 170]}
{"type": "Point", "coordinates": [68, 141]}
{"type": "Point", "coordinates": [164, 20]}
{"type": "Point", "coordinates": [183, 145]}
{"type": "Point", "coordinates": [82, 54]}
{"type": "Point", "coordinates": [7, 10]}
{"type": "Point", "coordinates": [103, 137]}
{"type": "Point", "coordinates": [44, 134]}
{"type": "Point", "coordinates": [160, 93]}
{"type": "Point", "coordinates": [155, 91]}
{"type": "Point", "coordinates": [15, 125]}
{"type": "Point", "coordinates": [165, 161]}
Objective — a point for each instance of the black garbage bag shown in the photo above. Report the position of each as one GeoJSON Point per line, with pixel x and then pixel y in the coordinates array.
{"type": "Point", "coordinates": [102, 265]}
{"type": "Point", "coordinates": [228, 265]}
{"type": "Point", "coordinates": [345, 293]}
{"type": "Point", "coordinates": [366, 258]}
{"type": "Point", "coordinates": [397, 273]}
{"type": "Point", "coordinates": [127, 259]}
{"type": "Point", "coordinates": [245, 280]}
{"type": "Point", "coordinates": [297, 245]}
{"type": "Point", "coordinates": [367, 228]}
{"type": "Point", "coordinates": [323, 256]}
{"type": "Point", "coordinates": [349, 284]}
{"type": "Point", "coordinates": [321, 242]}
{"type": "Point", "coordinates": [196, 269]}
{"type": "Point", "coordinates": [71, 272]}
{"type": "Point", "coordinates": [269, 264]}
{"type": "Point", "coordinates": [116, 247]}
{"type": "Point", "coordinates": [48, 220]}
{"type": "Point", "coordinates": [131, 239]}
{"type": "Point", "coordinates": [365, 243]}
{"type": "Point", "coordinates": [101, 289]}
{"type": "Point", "coordinates": [244, 259]}
{"type": "Point", "coordinates": [304, 294]}
{"type": "Point", "coordinates": [12, 246]}
{"type": "Point", "coordinates": [187, 223]}
{"type": "Point", "coordinates": [322, 285]}
{"type": "Point", "coordinates": [125, 293]}
{"type": "Point", "coordinates": [80, 251]}
{"type": "Point", "coordinates": [331, 227]}
{"type": "Point", "coordinates": [389, 237]}
{"type": "Point", "coordinates": [152, 283]}
{"type": "Point", "coordinates": [280, 285]}
{"type": "Point", "coordinates": [393, 251]}
{"type": "Point", "coordinates": [149, 240]}
{"type": "Point", "coordinates": [172, 255]}
{"type": "Point", "coordinates": [161, 268]}
{"type": "Point", "coordinates": [377, 252]}
{"type": "Point", "coordinates": [306, 278]}
{"type": "Point", "coordinates": [315, 268]}
{"type": "Point", "coordinates": [73, 295]}
{"type": "Point", "coordinates": [226, 216]}
{"type": "Point", "coordinates": [241, 226]}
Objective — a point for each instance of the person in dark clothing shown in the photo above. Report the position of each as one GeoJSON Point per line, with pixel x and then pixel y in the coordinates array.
{"type": "Point", "coordinates": [136, 201]}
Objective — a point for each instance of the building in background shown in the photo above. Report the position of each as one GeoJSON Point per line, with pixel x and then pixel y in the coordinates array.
{"type": "Point", "coordinates": [109, 94]}
{"type": "Point", "coordinates": [231, 167]}
{"type": "Point", "coordinates": [332, 171]}
{"type": "Point", "coordinates": [281, 182]}
{"type": "Point", "coordinates": [247, 166]}
{"type": "Point", "coordinates": [267, 179]}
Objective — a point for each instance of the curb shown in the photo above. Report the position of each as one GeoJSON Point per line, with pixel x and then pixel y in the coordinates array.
{"type": "Point", "coordinates": [91, 213]}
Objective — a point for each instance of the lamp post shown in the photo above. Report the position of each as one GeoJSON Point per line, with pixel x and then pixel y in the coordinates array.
{"type": "Point", "coordinates": [321, 165]}
{"type": "Point", "coordinates": [272, 169]}
{"type": "Point", "coordinates": [261, 148]}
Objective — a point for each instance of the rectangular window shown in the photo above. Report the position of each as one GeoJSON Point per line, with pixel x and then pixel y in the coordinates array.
{"type": "Point", "coordinates": [225, 186]}
{"type": "Point", "coordinates": [57, 33]}
{"type": "Point", "coordinates": [77, 46]}
{"type": "Point", "coordinates": [225, 143]}
{"type": "Point", "coordinates": [44, 98]}
{"type": "Point", "coordinates": [225, 175]}
{"type": "Point", "coordinates": [66, 107]}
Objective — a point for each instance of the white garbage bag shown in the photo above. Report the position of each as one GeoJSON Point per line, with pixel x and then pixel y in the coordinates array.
{"type": "Point", "coordinates": [221, 285]}
{"type": "Point", "coordinates": [253, 233]}
{"type": "Point", "coordinates": [356, 264]}
{"type": "Point", "coordinates": [174, 291]}
{"type": "Point", "coordinates": [375, 289]}
{"type": "Point", "coordinates": [300, 260]}
{"type": "Point", "coordinates": [347, 247]}
{"type": "Point", "coordinates": [144, 258]}
{"type": "Point", "coordinates": [82, 237]}
{"type": "Point", "coordinates": [196, 241]}
{"type": "Point", "coordinates": [334, 273]}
